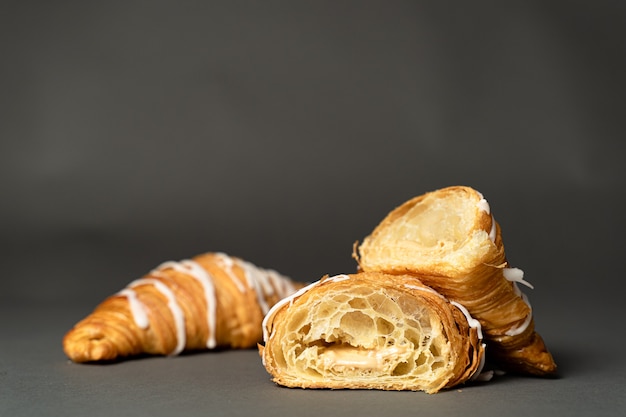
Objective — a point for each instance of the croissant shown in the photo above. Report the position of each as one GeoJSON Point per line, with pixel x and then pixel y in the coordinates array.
{"type": "Point", "coordinates": [371, 331]}
{"type": "Point", "coordinates": [210, 301]}
{"type": "Point", "coordinates": [451, 241]}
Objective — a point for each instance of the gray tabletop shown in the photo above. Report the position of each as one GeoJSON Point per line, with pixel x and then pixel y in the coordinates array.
{"type": "Point", "coordinates": [37, 379]}
{"type": "Point", "coordinates": [132, 134]}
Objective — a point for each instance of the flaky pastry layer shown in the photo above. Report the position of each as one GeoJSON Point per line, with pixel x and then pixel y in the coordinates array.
{"type": "Point", "coordinates": [370, 331]}
{"type": "Point", "coordinates": [450, 240]}
{"type": "Point", "coordinates": [212, 300]}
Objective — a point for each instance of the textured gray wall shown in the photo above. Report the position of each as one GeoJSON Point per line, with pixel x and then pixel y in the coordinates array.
{"type": "Point", "coordinates": [140, 132]}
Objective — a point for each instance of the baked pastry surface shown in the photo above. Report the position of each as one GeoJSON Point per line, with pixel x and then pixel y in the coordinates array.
{"type": "Point", "coordinates": [212, 300]}
{"type": "Point", "coordinates": [371, 331]}
{"type": "Point", "coordinates": [450, 240]}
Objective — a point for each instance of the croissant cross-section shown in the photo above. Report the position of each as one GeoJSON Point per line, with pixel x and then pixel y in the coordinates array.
{"type": "Point", "coordinates": [370, 331]}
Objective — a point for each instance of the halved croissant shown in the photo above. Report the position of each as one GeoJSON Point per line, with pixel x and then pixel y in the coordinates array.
{"type": "Point", "coordinates": [212, 300]}
{"type": "Point", "coordinates": [449, 239]}
{"type": "Point", "coordinates": [371, 331]}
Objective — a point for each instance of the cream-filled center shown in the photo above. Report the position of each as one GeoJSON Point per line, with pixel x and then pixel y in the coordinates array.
{"type": "Point", "coordinates": [342, 358]}
{"type": "Point", "coordinates": [436, 234]}
{"type": "Point", "coordinates": [436, 224]}
{"type": "Point", "coordinates": [366, 333]}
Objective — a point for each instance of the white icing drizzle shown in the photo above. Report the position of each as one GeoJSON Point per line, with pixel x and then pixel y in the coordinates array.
{"type": "Point", "coordinates": [177, 312]}
{"type": "Point", "coordinates": [284, 285]}
{"type": "Point", "coordinates": [524, 325]}
{"type": "Point", "coordinates": [258, 280]}
{"type": "Point", "coordinates": [137, 308]}
{"type": "Point", "coordinates": [483, 205]}
{"type": "Point", "coordinates": [338, 278]}
{"type": "Point", "coordinates": [262, 277]}
{"type": "Point", "coordinates": [493, 231]}
{"type": "Point", "coordinates": [516, 275]}
{"type": "Point", "coordinates": [478, 375]}
{"type": "Point", "coordinates": [470, 320]}
{"type": "Point", "coordinates": [201, 275]}
{"type": "Point", "coordinates": [227, 263]}
{"type": "Point", "coordinates": [264, 282]}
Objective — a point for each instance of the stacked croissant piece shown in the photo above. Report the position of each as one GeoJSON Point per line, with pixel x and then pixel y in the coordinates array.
{"type": "Point", "coordinates": [433, 294]}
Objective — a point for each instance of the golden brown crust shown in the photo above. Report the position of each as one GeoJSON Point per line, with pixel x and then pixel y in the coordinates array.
{"type": "Point", "coordinates": [212, 300]}
{"type": "Point", "coordinates": [370, 331]}
{"type": "Point", "coordinates": [450, 240]}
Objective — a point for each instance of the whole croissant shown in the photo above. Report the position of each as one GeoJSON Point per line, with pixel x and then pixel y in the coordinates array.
{"type": "Point", "coordinates": [449, 239]}
{"type": "Point", "coordinates": [210, 301]}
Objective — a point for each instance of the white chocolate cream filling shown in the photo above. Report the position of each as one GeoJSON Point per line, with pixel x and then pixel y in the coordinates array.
{"type": "Point", "coordinates": [341, 358]}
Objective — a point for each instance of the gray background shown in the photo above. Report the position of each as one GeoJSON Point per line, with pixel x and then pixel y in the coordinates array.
{"type": "Point", "coordinates": [136, 132]}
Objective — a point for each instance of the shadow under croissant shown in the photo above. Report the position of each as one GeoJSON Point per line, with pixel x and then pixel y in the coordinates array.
{"type": "Point", "coordinates": [579, 360]}
{"type": "Point", "coordinates": [148, 356]}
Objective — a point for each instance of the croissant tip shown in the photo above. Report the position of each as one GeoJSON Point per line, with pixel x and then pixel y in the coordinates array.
{"type": "Point", "coordinates": [83, 350]}
{"type": "Point", "coordinates": [542, 366]}
{"type": "Point", "coordinates": [547, 373]}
